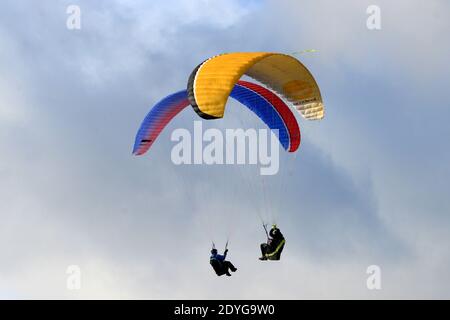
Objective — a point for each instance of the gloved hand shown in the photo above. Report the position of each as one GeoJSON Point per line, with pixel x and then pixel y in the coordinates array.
{"type": "Point", "coordinates": [226, 250]}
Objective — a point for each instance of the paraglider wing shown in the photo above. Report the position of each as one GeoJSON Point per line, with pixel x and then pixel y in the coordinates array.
{"type": "Point", "coordinates": [157, 119]}
{"type": "Point", "coordinates": [264, 103]}
{"type": "Point", "coordinates": [270, 109]}
{"type": "Point", "coordinates": [212, 81]}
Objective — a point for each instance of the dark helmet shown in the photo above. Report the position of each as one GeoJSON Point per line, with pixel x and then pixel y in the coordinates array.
{"type": "Point", "coordinates": [214, 251]}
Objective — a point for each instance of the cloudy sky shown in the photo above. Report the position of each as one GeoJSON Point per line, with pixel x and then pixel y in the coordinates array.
{"type": "Point", "coordinates": [368, 186]}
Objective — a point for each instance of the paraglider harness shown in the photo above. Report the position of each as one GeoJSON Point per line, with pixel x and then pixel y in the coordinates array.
{"type": "Point", "coordinates": [275, 254]}
{"type": "Point", "coordinates": [216, 263]}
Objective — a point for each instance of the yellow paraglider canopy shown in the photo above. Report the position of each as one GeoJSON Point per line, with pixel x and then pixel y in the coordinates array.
{"type": "Point", "coordinates": [211, 82]}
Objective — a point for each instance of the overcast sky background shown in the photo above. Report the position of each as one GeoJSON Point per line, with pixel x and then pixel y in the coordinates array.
{"type": "Point", "coordinates": [369, 185]}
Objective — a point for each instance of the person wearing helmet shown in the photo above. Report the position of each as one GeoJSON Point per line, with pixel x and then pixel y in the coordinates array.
{"type": "Point", "coordinates": [274, 246]}
{"type": "Point", "coordinates": [219, 264]}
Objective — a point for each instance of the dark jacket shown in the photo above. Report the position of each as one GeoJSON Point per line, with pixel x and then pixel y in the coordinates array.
{"type": "Point", "coordinates": [218, 256]}
{"type": "Point", "coordinates": [276, 234]}
{"type": "Point", "coordinates": [276, 244]}
{"type": "Point", "coordinates": [217, 262]}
